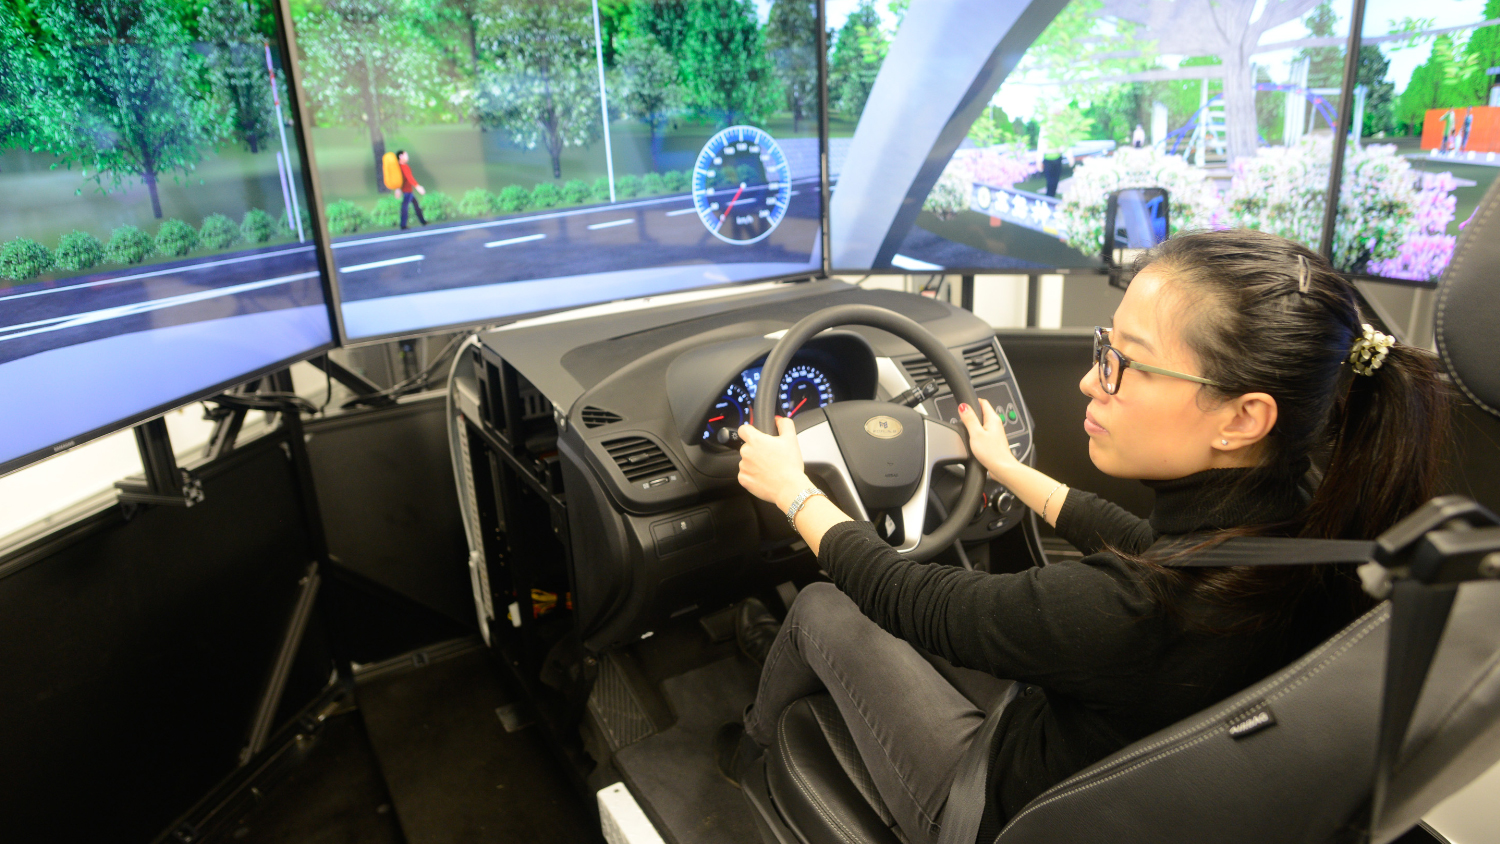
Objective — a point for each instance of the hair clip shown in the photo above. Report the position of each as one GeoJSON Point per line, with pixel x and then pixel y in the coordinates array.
{"type": "Point", "coordinates": [1304, 278]}
{"type": "Point", "coordinates": [1369, 351]}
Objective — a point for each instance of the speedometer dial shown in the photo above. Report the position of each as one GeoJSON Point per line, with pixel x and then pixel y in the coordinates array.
{"type": "Point", "coordinates": [802, 388]}
{"type": "Point", "coordinates": [741, 185]}
{"type": "Point", "coordinates": [731, 411]}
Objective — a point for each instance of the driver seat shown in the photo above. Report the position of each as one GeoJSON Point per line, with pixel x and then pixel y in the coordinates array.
{"type": "Point", "coordinates": [1228, 775]}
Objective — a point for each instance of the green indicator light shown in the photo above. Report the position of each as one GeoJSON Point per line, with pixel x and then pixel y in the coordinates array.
{"type": "Point", "coordinates": [1013, 415]}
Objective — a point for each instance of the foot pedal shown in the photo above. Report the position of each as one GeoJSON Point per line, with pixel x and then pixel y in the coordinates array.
{"type": "Point", "coordinates": [616, 708]}
{"type": "Point", "coordinates": [787, 592]}
{"type": "Point", "coordinates": [720, 625]}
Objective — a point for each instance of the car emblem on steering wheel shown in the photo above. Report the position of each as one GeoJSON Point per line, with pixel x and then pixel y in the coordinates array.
{"type": "Point", "coordinates": [883, 427]}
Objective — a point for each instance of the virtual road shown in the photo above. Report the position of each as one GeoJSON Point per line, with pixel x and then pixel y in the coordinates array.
{"type": "Point", "coordinates": [631, 234]}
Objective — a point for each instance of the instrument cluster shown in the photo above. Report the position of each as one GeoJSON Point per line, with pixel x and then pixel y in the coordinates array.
{"type": "Point", "coordinates": [804, 387]}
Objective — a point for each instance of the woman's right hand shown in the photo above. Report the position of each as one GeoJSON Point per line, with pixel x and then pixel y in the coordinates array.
{"type": "Point", "coordinates": [987, 439]}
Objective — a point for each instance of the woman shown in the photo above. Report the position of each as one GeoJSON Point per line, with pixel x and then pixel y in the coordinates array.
{"type": "Point", "coordinates": [1228, 370]}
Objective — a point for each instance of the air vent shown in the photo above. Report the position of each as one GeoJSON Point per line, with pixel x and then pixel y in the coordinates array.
{"type": "Point", "coordinates": [598, 417]}
{"type": "Point", "coordinates": [982, 361]}
{"type": "Point", "coordinates": [639, 458]}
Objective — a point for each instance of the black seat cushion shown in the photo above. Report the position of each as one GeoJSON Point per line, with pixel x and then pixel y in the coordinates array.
{"type": "Point", "coordinates": [818, 783]}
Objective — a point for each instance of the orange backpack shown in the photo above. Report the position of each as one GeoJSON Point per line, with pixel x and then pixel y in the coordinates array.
{"type": "Point", "coordinates": [391, 171]}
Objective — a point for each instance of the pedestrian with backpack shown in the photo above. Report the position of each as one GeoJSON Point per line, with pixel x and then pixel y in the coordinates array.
{"type": "Point", "coordinates": [397, 175]}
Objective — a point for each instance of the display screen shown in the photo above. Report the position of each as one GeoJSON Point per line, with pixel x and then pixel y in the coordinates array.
{"type": "Point", "coordinates": [1427, 144]}
{"type": "Point", "coordinates": [486, 160]}
{"type": "Point", "coordinates": [156, 241]}
{"type": "Point", "coordinates": [948, 153]}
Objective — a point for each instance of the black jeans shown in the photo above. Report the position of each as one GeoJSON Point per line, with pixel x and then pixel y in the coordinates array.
{"type": "Point", "coordinates": [912, 716]}
{"type": "Point", "coordinates": [411, 199]}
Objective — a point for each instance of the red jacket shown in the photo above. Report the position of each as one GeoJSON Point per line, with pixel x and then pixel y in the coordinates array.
{"type": "Point", "coordinates": [408, 181]}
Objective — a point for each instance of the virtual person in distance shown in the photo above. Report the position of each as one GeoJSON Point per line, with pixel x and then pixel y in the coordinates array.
{"type": "Point", "coordinates": [409, 189]}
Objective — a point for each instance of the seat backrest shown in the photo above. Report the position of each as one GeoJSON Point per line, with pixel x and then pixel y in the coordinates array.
{"type": "Point", "coordinates": [1293, 757]}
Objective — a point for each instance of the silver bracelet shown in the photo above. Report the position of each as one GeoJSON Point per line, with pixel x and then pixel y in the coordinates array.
{"type": "Point", "coordinates": [801, 499]}
{"type": "Point", "coordinates": [1049, 500]}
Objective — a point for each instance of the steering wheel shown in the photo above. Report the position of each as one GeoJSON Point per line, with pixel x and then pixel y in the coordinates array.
{"type": "Point", "coordinates": [882, 454]}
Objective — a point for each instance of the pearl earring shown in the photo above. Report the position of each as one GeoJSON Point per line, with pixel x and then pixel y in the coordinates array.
{"type": "Point", "coordinates": [1224, 442]}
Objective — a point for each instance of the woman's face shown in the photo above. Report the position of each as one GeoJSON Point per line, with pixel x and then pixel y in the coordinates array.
{"type": "Point", "coordinates": [1155, 427]}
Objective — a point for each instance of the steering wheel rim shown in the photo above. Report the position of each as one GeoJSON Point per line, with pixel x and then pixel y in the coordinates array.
{"type": "Point", "coordinates": [925, 546]}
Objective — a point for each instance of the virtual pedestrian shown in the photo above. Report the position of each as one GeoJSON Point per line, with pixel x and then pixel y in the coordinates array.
{"type": "Point", "coordinates": [409, 189]}
{"type": "Point", "coordinates": [1138, 137]}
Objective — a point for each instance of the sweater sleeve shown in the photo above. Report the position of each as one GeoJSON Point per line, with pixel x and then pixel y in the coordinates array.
{"type": "Point", "coordinates": [1067, 626]}
{"type": "Point", "coordinates": [1090, 523]}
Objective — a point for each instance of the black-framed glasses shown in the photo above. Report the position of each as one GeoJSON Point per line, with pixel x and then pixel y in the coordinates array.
{"type": "Point", "coordinates": [1111, 363]}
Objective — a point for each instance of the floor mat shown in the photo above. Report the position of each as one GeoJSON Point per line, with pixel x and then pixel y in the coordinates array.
{"type": "Point", "coordinates": [673, 771]}
{"type": "Point", "coordinates": [454, 773]}
{"type": "Point", "coordinates": [333, 796]}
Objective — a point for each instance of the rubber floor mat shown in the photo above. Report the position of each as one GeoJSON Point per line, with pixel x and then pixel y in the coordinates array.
{"type": "Point", "coordinates": [673, 772]}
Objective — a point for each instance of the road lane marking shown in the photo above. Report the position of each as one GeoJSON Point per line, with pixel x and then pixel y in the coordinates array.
{"type": "Point", "coordinates": [905, 263]}
{"type": "Point", "coordinates": [611, 224]}
{"type": "Point", "coordinates": [681, 211]}
{"type": "Point", "coordinates": [376, 264]}
{"type": "Point", "coordinates": [513, 221]}
{"type": "Point", "coordinates": [188, 268]}
{"type": "Point", "coordinates": [524, 239]}
{"type": "Point", "coordinates": [76, 320]}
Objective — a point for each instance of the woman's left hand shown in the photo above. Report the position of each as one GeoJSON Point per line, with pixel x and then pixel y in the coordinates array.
{"type": "Point", "coordinates": [771, 466]}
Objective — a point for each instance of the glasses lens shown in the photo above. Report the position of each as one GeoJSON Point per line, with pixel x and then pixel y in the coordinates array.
{"type": "Point", "coordinates": [1110, 365]}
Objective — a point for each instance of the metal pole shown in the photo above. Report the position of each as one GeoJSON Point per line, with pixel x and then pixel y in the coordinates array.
{"type": "Point", "coordinates": [609, 158]}
{"type": "Point", "coordinates": [293, 218]}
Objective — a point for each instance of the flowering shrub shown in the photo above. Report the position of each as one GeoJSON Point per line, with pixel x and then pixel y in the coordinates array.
{"type": "Point", "coordinates": [999, 167]}
{"type": "Point", "coordinates": [1426, 251]}
{"type": "Point", "coordinates": [950, 194]}
{"type": "Point", "coordinates": [1281, 190]}
{"type": "Point", "coordinates": [1080, 215]}
{"type": "Point", "coordinates": [1377, 208]}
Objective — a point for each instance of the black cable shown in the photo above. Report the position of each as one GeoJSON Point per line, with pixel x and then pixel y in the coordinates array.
{"type": "Point", "coordinates": [410, 384]}
{"type": "Point", "coordinates": [327, 386]}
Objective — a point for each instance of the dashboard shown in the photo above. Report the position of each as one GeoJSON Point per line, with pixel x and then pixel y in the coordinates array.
{"type": "Point", "coordinates": [619, 433]}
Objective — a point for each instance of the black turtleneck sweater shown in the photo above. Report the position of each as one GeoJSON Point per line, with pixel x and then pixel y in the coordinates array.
{"type": "Point", "coordinates": [1107, 664]}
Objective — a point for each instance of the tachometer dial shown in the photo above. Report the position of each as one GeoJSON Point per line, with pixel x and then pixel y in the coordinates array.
{"type": "Point", "coordinates": [802, 388]}
{"type": "Point", "coordinates": [731, 411]}
{"type": "Point", "coordinates": [741, 185]}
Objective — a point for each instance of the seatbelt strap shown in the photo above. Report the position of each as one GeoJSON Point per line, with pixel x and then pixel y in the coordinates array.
{"type": "Point", "coordinates": [1269, 551]}
{"type": "Point", "coordinates": [967, 797]}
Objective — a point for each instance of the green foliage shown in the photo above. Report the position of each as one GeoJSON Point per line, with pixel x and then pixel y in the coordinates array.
{"type": "Point", "coordinates": [367, 65]}
{"type": "Point", "coordinates": [577, 192]}
{"type": "Point", "coordinates": [627, 186]}
{"type": "Point", "coordinates": [257, 226]}
{"type": "Point", "coordinates": [1481, 52]}
{"type": "Point", "coordinates": [141, 110]}
{"type": "Point", "coordinates": [646, 86]}
{"type": "Point", "coordinates": [27, 103]}
{"type": "Point", "coordinates": [1434, 84]}
{"type": "Point", "coordinates": [78, 251]}
{"type": "Point", "coordinates": [438, 206]}
{"type": "Point", "coordinates": [545, 195]}
{"type": "Point", "coordinates": [24, 258]}
{"type": "Point", "coordinates": [858, 52]}
{"type": "Point", "coordinates": [1380, 96]}
{"type": "Point", "coordinates": [477, 202]}
{"type": "Point", "coordinates": [217, 232]}
{"type": "Point", "coordinates": [600, 189]}
{"type": "Point", "coordinates": [791, 39]}
{"type": "Point", "coordinates": [727, 75]}
{"type": "Point", "coordinates": [543, 87]}
{"type": "Point", "coordinates": [1325, 67]}
{"type": "Point", "coordinates": [675, 181]}
{"type": "Point", "coordinates": [128, 245]}
{"type": "Point", "coordinates": [652, 184]}
{"type": "Point", "coordinates": [991, 127]}
{"type": "Point", "coordinates": [666, 21]}
{"type": "Point", "coordinates": [175, 239]}
{"type": "Point", "coordinates": [512, 198]}
{"type": "Point", "coordinates": [344, 217]}
{"type": "Point", "coordinates": [284, 225]}
{"type": "Point", "coordinates": [387, 211]}
{"type": "Point", "coordinates": [237, 70]}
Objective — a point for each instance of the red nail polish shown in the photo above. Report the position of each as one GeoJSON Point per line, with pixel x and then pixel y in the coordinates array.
{"type": "Point", "coordinates": [963, 408]}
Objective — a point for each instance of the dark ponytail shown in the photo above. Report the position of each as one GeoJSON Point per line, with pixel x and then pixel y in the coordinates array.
{"type": "Point", "coordinates": [1269, 315]}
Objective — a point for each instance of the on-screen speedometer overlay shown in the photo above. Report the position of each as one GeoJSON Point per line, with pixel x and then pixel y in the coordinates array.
{"type": "Point", "coordinates": [741, 185]}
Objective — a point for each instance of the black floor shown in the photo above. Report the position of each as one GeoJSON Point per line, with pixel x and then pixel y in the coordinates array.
{"type": "Point", "coordinates": [424, 759]}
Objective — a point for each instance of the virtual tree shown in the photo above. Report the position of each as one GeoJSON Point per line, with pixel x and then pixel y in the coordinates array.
{"type": "Point", "coordinates": [857, 52]}
{"type": "Point", "coordinates": [237, 70]}
{"type": "Point", "coordinates": [791, 34]}
{"type": "Point", "coordinates": [725, 69]}
{"type": "Point", "coordinates": [648, 88]}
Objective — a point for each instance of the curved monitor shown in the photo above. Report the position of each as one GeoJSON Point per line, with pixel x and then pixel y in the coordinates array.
{"type": "Point", "coordinates": [1426, 143]}
{"type": "Point", "coordinates": [969, 136]}
{"type": "Point", "coordinates": [157, 244]}
{"type": "Point", "coordinates": [532, 155]}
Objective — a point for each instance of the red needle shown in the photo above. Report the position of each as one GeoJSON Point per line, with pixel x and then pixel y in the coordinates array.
{"type": "Point", "coordinates": [716, 419]}
{"type": "Point", "coordinates": [731, 206]}
{"type": "Point", "coordinates": [797, 408]}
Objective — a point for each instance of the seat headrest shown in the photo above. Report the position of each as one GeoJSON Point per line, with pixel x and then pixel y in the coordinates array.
{"type": "Point", "coordinates": [1468, 307]}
